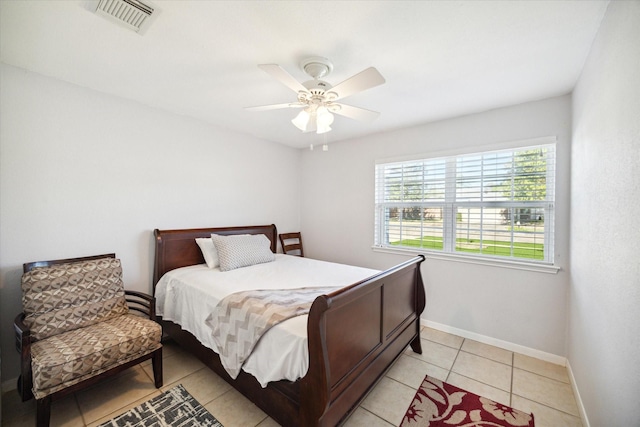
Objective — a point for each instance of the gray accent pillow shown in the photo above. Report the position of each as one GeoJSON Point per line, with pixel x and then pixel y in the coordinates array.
{"type": "Point", "coordinates": [238, 251]}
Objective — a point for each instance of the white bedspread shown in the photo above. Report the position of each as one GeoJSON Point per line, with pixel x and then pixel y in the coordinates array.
{"type": "Point", "coordinates": [188, 295]}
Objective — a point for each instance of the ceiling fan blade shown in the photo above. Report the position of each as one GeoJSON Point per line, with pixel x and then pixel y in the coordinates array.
{"type": "Point", "coordinates": [362, 81]}
{"type": "Point", "coordinates": [278, 73]}
{"type": "Point", "coordinates": [356, 113]}
{"type": "Point", "coordinates": [275, 106]}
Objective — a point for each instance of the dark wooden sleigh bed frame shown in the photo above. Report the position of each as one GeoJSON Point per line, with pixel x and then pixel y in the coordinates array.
{"type": "Point", "coordinates": [354, 334]}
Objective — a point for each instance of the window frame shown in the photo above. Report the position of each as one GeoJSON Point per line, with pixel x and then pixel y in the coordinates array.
{"type": "Point", "coordinates": [450, 206]}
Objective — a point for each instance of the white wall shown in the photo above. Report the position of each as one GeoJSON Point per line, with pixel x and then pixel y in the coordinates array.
{"type": "Point", "coordinates": [604, 304]}
{"type": "Point", "coordinates": [85, 173]}
{"type": "Point", "coordinates": [522, 307]}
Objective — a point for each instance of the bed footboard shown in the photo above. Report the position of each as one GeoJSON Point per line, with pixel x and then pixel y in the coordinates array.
{"type": "Point", "coordinates": [355, 335]}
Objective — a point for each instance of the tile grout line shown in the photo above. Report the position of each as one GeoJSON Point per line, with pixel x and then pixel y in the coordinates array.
{"type": "Point", "coordinates": [543, 375]}
{"type": "Point", "coordinates": [513, 360]}
{"type": "Point", "coordinates": [454, 360]}
{"type": "Point", "coordinates": [549, 407]}
{"type": "Point", "coordinates": [375, 415]}
{"type": "Point", "coordinates": [82, 417]}
{"type": "Point", "coordinates": [534, 400]}
{"type": "Point", "coordinates": [481, 382]}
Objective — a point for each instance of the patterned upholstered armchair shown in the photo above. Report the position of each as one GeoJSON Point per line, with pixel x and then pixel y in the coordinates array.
{"type": "Point", "coordinates": [80, 325]}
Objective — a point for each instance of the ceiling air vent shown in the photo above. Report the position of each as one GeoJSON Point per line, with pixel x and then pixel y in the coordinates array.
{"type": "Point", "coordinates": [131, 13]}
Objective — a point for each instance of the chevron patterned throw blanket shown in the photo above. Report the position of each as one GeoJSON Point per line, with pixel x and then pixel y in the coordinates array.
{"type": "Point", "coordinates": [240, 319]}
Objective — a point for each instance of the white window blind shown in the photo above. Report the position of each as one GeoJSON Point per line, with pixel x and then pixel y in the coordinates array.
{"type": "Point", "coordinates": [494, 203]}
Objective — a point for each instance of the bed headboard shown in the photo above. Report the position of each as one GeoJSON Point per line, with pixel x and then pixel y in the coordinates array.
{"type": "Point", "coordinates": [178, 248]}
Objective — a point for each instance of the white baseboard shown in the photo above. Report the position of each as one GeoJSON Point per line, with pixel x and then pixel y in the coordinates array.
{"type": "Point", "coordinates": [576, 394]}
{"type": "Point", "coordinates": [527, 351]}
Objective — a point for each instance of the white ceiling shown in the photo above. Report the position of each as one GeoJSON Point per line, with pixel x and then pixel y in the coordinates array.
{"type": "Point", "coordinates": [199, 58]}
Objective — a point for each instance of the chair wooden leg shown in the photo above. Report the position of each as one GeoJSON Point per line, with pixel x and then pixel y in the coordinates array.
{"type": "Point", "coordinates": [43, 411]}
{"type": "Point", "coordinates": [24, 388]}
{"type": "Point", "coordinates": [156, 362]}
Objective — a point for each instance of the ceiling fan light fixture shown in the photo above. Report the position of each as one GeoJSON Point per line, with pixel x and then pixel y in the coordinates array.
{"type": "Point", "coordinates": [323, 129]}
{"type": "Point", "coordinates": [301, 121]}
{"type": "Point", "coordinates": [324, 119]}
{"type": "Point", "coordinates": [319, 120]}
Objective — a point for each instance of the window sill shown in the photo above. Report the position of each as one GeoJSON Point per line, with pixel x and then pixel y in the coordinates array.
{"type": "Point", "coordinates": [504, 263]}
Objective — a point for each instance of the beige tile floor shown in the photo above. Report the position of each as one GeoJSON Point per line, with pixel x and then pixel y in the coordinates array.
{"type": "Point", "coordinates": [510, 378]}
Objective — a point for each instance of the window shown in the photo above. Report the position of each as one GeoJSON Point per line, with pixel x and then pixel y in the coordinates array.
{"type": "Point", "coordinates": [488, 204]}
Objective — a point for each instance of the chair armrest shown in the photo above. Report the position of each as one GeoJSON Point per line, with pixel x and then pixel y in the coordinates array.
{"type": "Point", "coordinates": [141, 302]}
{"type": "Point", "coordinates": [23, 334]}
{"type": "Point", "coordinates": [23, 346]}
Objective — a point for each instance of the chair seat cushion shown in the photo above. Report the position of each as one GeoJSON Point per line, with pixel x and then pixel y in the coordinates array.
{"type": "Point", "coordinates": [69, 358]}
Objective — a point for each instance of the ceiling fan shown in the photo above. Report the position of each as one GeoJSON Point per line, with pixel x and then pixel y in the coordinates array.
{"type": "Point", "coordinates": [317, 98]}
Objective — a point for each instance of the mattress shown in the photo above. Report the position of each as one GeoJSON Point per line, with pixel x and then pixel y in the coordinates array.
{"type": "Point", "coordinates": [188, 295]}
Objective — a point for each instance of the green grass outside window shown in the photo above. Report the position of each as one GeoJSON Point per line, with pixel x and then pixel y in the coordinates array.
{"type": "Point", "coordinates": [488, 247]}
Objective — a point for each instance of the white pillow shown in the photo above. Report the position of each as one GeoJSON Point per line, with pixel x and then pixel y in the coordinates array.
{"type": "Point", "coordinates": [209, 251]}
{"type": "Point", "coordinates": [242, 250]}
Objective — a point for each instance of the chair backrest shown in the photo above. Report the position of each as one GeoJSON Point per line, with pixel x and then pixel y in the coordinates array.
{"type": "Point", "coordinates": [28, 266]}
{"type": "Point", "coordinates": [292, 242]}
{"type": "Point", "coordinates": [63, 295]}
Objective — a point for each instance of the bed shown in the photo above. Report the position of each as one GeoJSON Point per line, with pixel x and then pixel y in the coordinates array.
{"type": "Point", "coordinates": [353, 334]}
